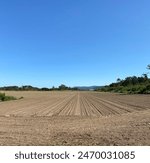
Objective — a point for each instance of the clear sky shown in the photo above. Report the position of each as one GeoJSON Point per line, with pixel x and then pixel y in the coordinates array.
{"type": "Point", "coordinates": [74, 42]}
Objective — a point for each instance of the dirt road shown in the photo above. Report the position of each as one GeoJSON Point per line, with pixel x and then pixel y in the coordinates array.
{"type": "Point", "coordinates": [75, 118]}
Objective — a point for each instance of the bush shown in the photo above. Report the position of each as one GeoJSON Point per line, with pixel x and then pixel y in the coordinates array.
{"type": "Point", "coordinates": [145, 90]}
{"type": "Point", "coordinates": [3, 97]}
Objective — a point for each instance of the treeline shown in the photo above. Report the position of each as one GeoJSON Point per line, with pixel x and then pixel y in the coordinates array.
{"type": "Point", "coordinates": [132, 85]}
{"type": "Point", "coordinates": [62, 87]}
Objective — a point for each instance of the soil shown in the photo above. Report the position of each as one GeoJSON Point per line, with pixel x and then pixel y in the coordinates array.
{"type": "Point", "coordinates": [75, 118]}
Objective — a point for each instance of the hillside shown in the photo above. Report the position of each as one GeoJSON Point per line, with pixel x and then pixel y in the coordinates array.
{"type": "Point", "coordinates": [130, 85]}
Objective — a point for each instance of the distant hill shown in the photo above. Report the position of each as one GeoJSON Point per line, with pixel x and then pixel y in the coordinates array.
{"type": "Point", "coordinates": [87, 88]}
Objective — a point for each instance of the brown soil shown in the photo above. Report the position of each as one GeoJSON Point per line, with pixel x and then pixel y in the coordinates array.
{"type": "Point", "coordinates": [75, 118]}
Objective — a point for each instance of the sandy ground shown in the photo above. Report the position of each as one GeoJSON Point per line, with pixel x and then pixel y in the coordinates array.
{"type": "Point", "coordinates": [75, 118]}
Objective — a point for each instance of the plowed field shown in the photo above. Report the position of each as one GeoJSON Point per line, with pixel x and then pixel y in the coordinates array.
{"type": "Point", "coordinates": [75, 118]}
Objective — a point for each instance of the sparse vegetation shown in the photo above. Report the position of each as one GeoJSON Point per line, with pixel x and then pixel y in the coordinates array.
{"type": "Point", "coordinates": [3, 97]}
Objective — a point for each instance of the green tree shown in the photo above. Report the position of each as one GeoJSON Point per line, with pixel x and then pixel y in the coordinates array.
{"type": "Point", "coordinates": [145, 77]}
{"type": "Point", "coordinates": [148, 67]}
{"type": "Point", "coordinates": [63, 87]}
{"type": "Point", "coordinates": [118, 80]}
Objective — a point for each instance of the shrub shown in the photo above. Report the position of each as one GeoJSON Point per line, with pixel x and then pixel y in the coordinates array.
{"type": "Point", "coordinates": [3, 97]}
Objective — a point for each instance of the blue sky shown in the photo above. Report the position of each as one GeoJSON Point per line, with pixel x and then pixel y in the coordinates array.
{"type": "Point", "coordinates": [75, 42]}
